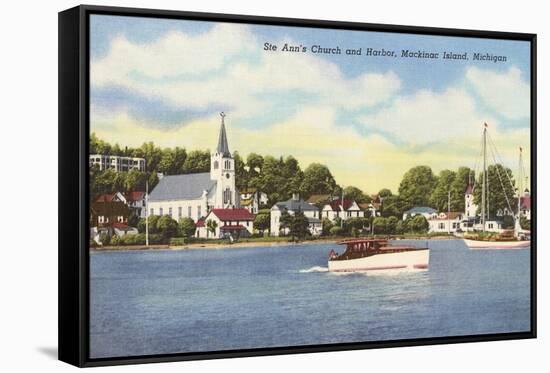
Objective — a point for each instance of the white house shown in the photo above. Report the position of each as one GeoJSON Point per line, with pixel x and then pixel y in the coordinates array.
{"type": "Point", "coordinates": [427, 212]}
{"type": "Point", "coordinates": [252, 199]}
{"type": "Point", "coordinates": [293, 205]}
{"type": "Point", "coordinates": [194, 195]}
{"type": "Point", "coordinates": [446, 222]}
{"type": "Point", "coordinates": [136, 201]}
{"type": "Point", "coordinates": [237, 222]}
{"type": "Point", "coordinates": [336, 209]}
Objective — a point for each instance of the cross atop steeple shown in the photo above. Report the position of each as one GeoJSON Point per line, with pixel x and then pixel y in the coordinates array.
{"type": "Point", "coordinates": [223, 148]}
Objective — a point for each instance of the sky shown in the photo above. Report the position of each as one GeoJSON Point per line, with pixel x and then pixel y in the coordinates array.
{"type": "Point", "coordinates": [369, 119]}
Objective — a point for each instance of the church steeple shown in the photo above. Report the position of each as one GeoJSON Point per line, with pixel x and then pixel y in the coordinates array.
{"type": "Point", "coordinates": [223, 148]}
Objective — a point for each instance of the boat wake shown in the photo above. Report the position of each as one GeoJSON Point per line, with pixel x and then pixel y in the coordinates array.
{"type": "Point", "coordinates": [316, 269]}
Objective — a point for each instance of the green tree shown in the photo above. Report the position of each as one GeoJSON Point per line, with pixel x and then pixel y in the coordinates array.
{"type": "Point", "coordinates": [356, 194]}
{"type": "Point", "coordinates": [499, 189]}
{"type": "Point", "coordinates": [458, 188]}
{"type": "Point", "coordinates": [440, 194]}
{"type": "Point", "coordinates": [299, 226]}
{"type": "Point", "coordinates": [416, 186]}
{"type": "Point", "coordinates": [255, 163]}
{"type": "Point", "coordinates": [317, 180]}
{"type": "Point", "coordinates": [187, 227]}
{"type": "Point", "coordinates": [383, 193]}
{"type": "Point", "coordinates": [152, 155]}
{"type": "Point", "coordinates": [380, 225]}
{"type": "Point", "coordinates": [524, 223]}
{"type": "Point", "coordinates": [400, 227]}
{"type": "Point", "coordinates": [391, 225]}
{"type": "Point", "coordinates": [211, 226]}
{"type": "Point", "coordinates": [167, 226]}
{"type": "Point", "coordinates": [134, 180]}
{"type": "Point", "coordinates": [393, 206]}
{"type": "Point", "coordinates": [262, 222]}
{"type": "Point", "coordinates": [241, 175]}
{"type": "Point", "coordinates": [197, 161]}
{"type": "Point", "coordinates": [326, 226]}
{"type": "Point", "coordinates": [286, 221]}
{"type": "Point", "coordinates": [336, 231]}
{"type": "Point", "coordinates": [419, 224]}
{"type": "Point", "coordinates": [153, 220]}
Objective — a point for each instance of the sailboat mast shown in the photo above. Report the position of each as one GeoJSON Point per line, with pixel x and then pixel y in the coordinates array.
{"type": "Point", "coordinates": [520, 177]}
{"type": "Point", "coordinates": [484, 180]}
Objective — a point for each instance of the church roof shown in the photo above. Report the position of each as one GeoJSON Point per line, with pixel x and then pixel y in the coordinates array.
{"type": "Point", "coordinates": [223, 148]}
{"type": "Point", "coordinates": [178, 187]}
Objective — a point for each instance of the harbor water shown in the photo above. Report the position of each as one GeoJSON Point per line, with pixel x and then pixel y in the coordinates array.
{"type": "Point", "coordinates": [161, 302]}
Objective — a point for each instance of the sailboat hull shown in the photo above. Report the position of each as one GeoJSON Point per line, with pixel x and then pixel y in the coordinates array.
{"type": "Point", "coordinates": [496, 245]}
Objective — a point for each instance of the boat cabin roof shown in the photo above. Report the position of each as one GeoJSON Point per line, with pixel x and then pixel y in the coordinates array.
{"type": "Point", "coordinates": [355, 241]}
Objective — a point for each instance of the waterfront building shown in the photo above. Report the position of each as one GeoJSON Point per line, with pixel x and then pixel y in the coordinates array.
{"type": "Point", "coordinates": [292, 206]}
{"type": "Point", "coordinates": [195, 195]}
{"type": "Point", "coordinates": [136, 202]}
{"type": "Point", "coordinates": [117, 163]}
{"type": "Point", "coordinates": [238, 222]}
{"type": "Point", "coordinates": [342, 209]}
{"type": "Point", "coordinates": [446, 222]}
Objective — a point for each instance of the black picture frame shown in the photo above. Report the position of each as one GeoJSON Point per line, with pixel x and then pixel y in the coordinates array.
{"type": "Point", "coordinates": [73, 253]}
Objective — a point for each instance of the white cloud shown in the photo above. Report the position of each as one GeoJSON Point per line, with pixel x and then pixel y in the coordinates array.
{"type": "Point", "coordinates": [506, 93]}
{"type": "Point", "coordinates": [226, 67]}
{"type": "Point", "coordinates": [427, 117]}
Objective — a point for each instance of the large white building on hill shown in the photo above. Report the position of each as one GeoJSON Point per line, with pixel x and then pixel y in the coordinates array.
{"type": "Point", "coordinates": [195, 195]}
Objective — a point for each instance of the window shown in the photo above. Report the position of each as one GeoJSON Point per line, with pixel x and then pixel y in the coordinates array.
{"type": "Point", "coordinates": [160, 211]}
{"type": "Point", "coordinates": [227, 196]}
{"type": "Point", "coordinates": [216, 165]}
{"type": "Point", "coordinates": [441, 225]}
{"type": "Point", "coordinates": [152, 212]}
{"type": "Point", "coordinates": [198, 212]}
{"type": "Point", "coordinates": [179, 212]}
{"type": "Point", "coordinates": [189, 211]}
{"type": "Point", "coordinates": [170, 211]}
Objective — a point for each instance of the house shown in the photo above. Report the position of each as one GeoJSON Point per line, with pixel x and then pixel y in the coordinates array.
{"type": "Point", "coordinates": [341, 209]}
{"type": "Point", "coordinates": [427, 212]}
{"type": "Point", "coordinates": [446, 222]}
{"type": "Point", "coordinates": [195, 195]}
{"type": "Point", "coordinates": [117, 163]}
{"type": "Point", "coordinates": [292, 206]}
{"type": "Point", "coordinates": [112, 197]}
{"type": "Point", "coordinates": [109, 215]}
{"type": "Point", "coordinates": [136, 202]}
{"type": "Point", "coordinates": [252, 199]}
{"type": "Point", "coordinates": [238, 222]}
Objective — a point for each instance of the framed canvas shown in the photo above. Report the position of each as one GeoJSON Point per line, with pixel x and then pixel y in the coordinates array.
{"type": "Point", "coordinates": [234, 186]}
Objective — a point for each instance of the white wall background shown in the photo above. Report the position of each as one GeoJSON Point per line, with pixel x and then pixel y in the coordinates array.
{"type": "Point", "coordinates": [28, 185]}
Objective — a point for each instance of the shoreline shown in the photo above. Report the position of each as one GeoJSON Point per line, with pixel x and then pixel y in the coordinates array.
{"type": "Point", "coordinates": [247, 244]}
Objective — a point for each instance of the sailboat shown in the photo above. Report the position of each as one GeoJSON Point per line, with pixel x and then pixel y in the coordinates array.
{"type": "Point", "coordinates": [507, 239]}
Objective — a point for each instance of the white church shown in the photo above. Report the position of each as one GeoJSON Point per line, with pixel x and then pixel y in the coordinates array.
{"type": "Point", "coordinates": [195, 195]}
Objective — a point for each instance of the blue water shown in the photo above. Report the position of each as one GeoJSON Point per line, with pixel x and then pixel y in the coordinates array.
{"type": "Point", "coordinates": [158, 302]}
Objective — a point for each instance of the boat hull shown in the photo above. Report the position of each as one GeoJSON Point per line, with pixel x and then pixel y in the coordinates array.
{"type": "Point", "coordinates": [496, 245]}
{"type": "Point", "coordinates": [407, 260]}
